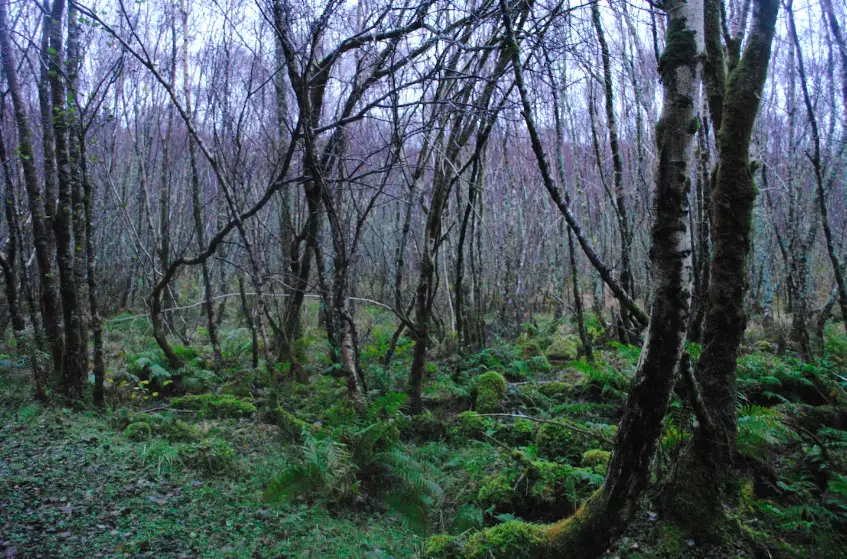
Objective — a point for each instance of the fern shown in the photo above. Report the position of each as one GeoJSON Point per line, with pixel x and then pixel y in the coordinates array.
{"type": "Point", "coordinates": [361, 454]}
{"type": "Point", "coordinates": [758, 429]}
{"type": "Point", "coordinates": [236, 344]}
{"type": "Point", "coordinates": [323, 470]}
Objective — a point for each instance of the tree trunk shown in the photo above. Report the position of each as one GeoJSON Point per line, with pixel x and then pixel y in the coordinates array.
{"type": "Point", "coordinates": [41, 237]}
{"type": "Point", "coordinates": [589, 531]}
{"type": "Point", "coordinates": [706, 473]}
{"type": "Point", "coordinates": [75, 362]}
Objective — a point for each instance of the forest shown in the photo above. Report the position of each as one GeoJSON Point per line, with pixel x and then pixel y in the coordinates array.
{"type": "Point", "coordinates": [479, 279]}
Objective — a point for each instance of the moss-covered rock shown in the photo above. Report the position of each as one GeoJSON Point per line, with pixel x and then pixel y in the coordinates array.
{"type": "Point", "coordinates": [537, 490]}
{"type": "Point", "coordinates": [555, 441]}
{"type": "Point", "coordinates": [563, 348]}
{"type": "Point", "coordinates": [491, 389]}
{"type": "Point", "coordinates": [138, 431]}
{"type": "Point", "coordinates": [212, 405]}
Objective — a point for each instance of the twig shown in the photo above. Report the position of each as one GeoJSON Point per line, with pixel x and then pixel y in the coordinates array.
{"type": "Point", "coordinates": [167, 408]}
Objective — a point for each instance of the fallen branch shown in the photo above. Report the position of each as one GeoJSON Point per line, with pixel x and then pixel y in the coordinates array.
{"type": "Point", "coordinates": [553, 422]}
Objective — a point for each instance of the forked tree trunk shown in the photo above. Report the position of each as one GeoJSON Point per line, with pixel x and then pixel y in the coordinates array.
{"type": "Point", "coordinates": [588, 533]}
{"type": "Point", "coordinates": [706, 472]}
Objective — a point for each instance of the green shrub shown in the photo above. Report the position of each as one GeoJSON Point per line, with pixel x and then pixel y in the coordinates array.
{"type": "Point", "coordinates": [161, 455]}
{"type": "Point", "coordinates": [211, 405]}
{"type": "Point", "coordinates": [139, 431]}
{"type": "Point", "coordinates": [759, 428]}
{"type": "Point", "coordinates": [491, 389]}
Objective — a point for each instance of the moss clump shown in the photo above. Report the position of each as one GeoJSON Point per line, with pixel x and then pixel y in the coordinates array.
{"type": "Point", "coordinates": [513, 540]}
{"type": "Point", "coordinates": [290, 426]}
{"type": "Point", "coordinates": [491, 390]}
{"type": "Point", "coordinates": [200, 381]}
{"type": "Point", "coordinates": [564, 348]}
{"type": "Point", "coordinates": [595, 457]}
{"type": "Point", "coordinates": [138, 431]}
{"type": "Point", "coordinates": [425, 427]}
{"type": "Point", "coordinates": [555, 442]}
{"type": "Point", "coordinates": [496, 491]}
{"type": "Point", "coordinates": [213, 457]}
{"type": "Point", "coordinates": [179, 431]}
{"type": "Point", "coordinates": [471, 425]}
{"type": "Point", "coordinates": [537, 490]}
{"type": "Point", "coordinates": [556, 390]}
{"type": "Point", "coordinates": [680, 50]}
{"type": "Point", "coordinates": [125, 417]}
{"type": "Point", "coordinates": [672, 542]}
{"type": "Point", "coordinates": [442, 546]}
{"type": "Point", "coordinates": [211, 405]}
{"type": "Point", "coordinates": [521, 432]}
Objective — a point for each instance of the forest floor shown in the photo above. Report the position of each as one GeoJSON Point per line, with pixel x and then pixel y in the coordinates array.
{"type": "Point", "coordinates": [158, 474]}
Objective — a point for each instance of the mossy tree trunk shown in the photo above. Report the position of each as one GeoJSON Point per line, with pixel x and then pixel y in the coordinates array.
{"type": "Point", "coordinates": [706, 471]}
{"type": "Point", "coordinates": [50, 305]}
{"type": "Point", "coordinates": [589, 532]}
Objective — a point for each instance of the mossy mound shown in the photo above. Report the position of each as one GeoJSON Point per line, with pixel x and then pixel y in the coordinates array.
{"type": "Point", "coordinates": [290, 426]}
{"type": "Point", "coordinates": [563, 348]}
{"type": "Point", "coordinates": [138, 431]}
{"type": "Point", "coordinates": [519, 432]}
{"type": "Point", "coordinates": [537, 490]}
{"type": "Point", "coordinates": [179, 431]}
{"type": "Point", "coordinates": [490, 391]}
{"type": "Point", "coordinates": [425, 427]}
{"type": "Point", "coordinates": [213, 457]}
{"type": "Point", "coordinates": [595, 457]}
{"type": "Point", "coordinates": [211, 405]}
{"type": "Point", "coordinates": [556, 390]}
{"type": "Point", "coordinates": [556, 442]}
{"type": "Point", "coordinates": [513, 539]}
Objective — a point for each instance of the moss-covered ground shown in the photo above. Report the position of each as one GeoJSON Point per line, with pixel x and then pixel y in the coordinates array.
{"type": "Point", "coordinates": [187, 464]}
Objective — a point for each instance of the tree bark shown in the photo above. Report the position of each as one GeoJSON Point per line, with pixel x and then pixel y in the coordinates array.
{"type": "Point", "coordinates": [50, 306]}
{"type": "Point", "coordinates": [706, 473]}
{"type": "Point", "coordinates": [607, 513]}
